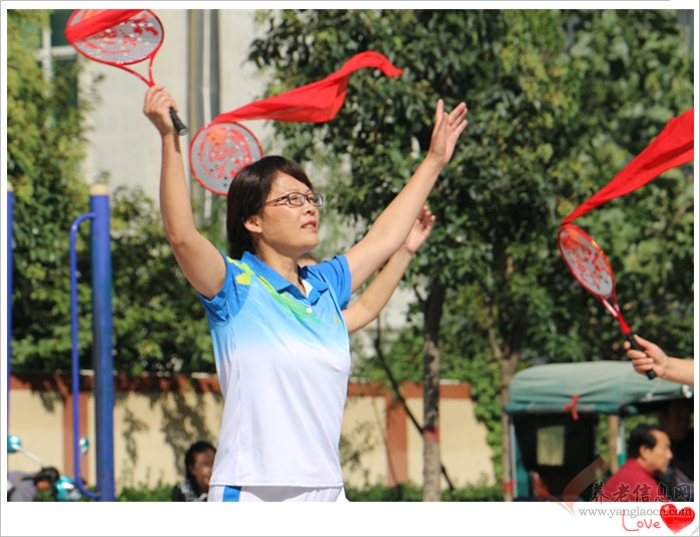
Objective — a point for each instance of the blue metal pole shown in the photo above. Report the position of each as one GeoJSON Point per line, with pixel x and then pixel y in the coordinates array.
{"type": "Point", "coordinates": [73, 250]}
{"type": "Point", "coordinates": [103, 361]}
{"type": "Point", "coordinates": [10, 267]}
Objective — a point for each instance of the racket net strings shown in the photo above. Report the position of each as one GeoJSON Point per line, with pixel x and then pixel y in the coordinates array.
{"type": "Point", "coordinates": [586, 261]}
{"type": "Point", "coordinates": [121, 38]}
{"type": "Point", "coordinates": [219, 151]}
{"type": "Point", "coordinates": [589, 266]}
{"type": "Point", "coordinates": [126, 42]}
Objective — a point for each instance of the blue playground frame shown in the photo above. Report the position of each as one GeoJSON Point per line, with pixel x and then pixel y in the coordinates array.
{"type": "Point", "coordinates": [103, 362]}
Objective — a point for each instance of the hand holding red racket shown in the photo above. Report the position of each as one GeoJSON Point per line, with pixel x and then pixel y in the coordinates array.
{"type": "Point", "coordinates": [588, 264]}
{"type": "Point", "coordinates": [119, 38]}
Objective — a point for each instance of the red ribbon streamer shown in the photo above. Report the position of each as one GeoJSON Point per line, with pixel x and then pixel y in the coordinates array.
{"type": "Point", "coordinates": [572, 406]}
{"type": "Point", "coordinates": [101, 20]}
{"type": "Point", "coordinates": [313, 103]}
{"type": "Point", "coordinates": [673, 147]}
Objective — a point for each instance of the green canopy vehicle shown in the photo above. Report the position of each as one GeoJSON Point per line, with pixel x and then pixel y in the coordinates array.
{"type": "Point", "coordinates": [554, 411]}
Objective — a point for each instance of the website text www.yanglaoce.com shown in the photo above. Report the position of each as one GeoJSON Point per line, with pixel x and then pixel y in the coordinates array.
{"type": "Point", "coordinates": [633, 512]}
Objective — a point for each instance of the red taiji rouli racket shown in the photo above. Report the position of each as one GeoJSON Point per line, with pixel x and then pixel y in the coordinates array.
{"type": "Point", "coordinates": [125, 42]}
{"type": "Point", "coordinates": [587, 262]}
{"type": "Point", "coordinates": [219, 151]}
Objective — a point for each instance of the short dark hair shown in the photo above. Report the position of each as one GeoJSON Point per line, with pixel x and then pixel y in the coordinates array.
{"type": "Point", "coordinates": [49, 474]}
{"type": "Point", "coordinates": [200, 446]}
{"type": "Point", "coordinates": [641, 436]}
{"type": "Point", "coordinates": [247, 194]}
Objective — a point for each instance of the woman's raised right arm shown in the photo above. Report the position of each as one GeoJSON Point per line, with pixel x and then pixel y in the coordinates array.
{"type": "Point", "coordinates": [378, 293]}
{"type": "Point", "coordinates": [392, 226]}
{"type": "Point", "coordinates": [199, 260]}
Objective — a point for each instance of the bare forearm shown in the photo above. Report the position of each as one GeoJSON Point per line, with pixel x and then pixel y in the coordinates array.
{"type": "Point", "coordinates": [651, 356]}
{"type": "Point", "coordinates": [175, 205]}
{"type": "Point", "coordinates": [680, 371]}
{"type": "Point", "coordinates": [392, 226]}
{"type": "Point", "coordinates": [378, 293]}
{"type": "Point", "coordinates": [199, 260]}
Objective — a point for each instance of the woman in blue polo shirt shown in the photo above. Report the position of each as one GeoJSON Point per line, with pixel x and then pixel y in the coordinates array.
{"type": "Point", "coordinates": [281, 345]}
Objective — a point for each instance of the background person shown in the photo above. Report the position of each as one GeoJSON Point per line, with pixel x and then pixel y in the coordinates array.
{"type": "Point", "coordinates": [648, 454]}
{"type": "Point", "coordinates": [23, 487]}
{"type": "Point", "coordinates": [199, 461]}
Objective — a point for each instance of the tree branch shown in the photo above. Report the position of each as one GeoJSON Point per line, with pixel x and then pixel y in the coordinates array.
{"type": "Point", "coordinates": [398, 396]}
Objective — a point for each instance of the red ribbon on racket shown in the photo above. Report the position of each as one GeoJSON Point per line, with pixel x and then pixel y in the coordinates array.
{"type": "Point", "coordinates": [317, 102]}
{"type": "Point", "coordinates": [101, 20]}
{"type": "Point", "coordinates": [121, 38]}
{"type": "Point", "coordinates": [221, 148]}
{"type": "Point", "coordinates": [672, 147]}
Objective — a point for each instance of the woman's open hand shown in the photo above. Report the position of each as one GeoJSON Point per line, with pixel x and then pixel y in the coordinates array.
{"type": "Point", "coordinates": [446, 132]}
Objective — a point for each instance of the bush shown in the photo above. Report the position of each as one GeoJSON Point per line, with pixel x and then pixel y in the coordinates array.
{"type": "Point", "coordinates": [161, 493]}
{"type": "Point", "coordinates": [43, 496]}
{"type": "Point", "coordinates": [414, 493]}
{"type": "Point", "coordinates": [376, 493]}
{"type": "Point", "coordinates": [477, 493]}
{"type": "Point", "coordinates": [383, 493]}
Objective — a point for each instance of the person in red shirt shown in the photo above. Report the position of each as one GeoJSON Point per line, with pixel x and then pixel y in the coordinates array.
{"type": "Point", "coordinates": [648, 454]}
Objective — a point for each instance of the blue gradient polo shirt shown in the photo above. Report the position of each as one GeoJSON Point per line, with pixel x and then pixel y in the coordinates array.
{"type": "Point", "coordinates": [283, 361]}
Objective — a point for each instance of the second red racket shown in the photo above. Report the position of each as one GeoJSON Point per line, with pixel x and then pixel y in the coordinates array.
{"type": "Point", "coordinates": [218, 152]}
{"type": "Point", "coordinates": [588, 264]}
{"type": "Point", "coordinates": [120, 38]}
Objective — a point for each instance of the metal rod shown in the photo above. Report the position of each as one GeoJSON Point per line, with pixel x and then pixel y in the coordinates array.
{"type": "Point", "coordinates": [10, 266]}
{"type": "Point", "coordinates": [75, 355]}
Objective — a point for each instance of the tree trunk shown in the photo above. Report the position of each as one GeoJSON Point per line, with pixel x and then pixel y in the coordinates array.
{"type": "Point", "coordinates": [431, 394]}
{"type": "Point", "coordinates": [507, 367]}
{"type": "Point", "coordinates": [396, 387]}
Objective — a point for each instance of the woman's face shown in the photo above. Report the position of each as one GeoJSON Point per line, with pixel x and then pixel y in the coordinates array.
{"type": "Point", "coordinates": [289, 230]}
{"type": "Point", "coordinates": [201, 469]}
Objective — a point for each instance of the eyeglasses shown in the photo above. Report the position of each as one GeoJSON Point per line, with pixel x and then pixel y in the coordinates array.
{"type": "Point", "coordinates": [296, 199]}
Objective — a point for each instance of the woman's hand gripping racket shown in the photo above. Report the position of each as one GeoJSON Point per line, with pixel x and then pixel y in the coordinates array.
{"type": "Point", "coordinates": [218, 152]}
{"type": "Point", "coordinates": [591, 268]}
{"type": "Point", "coordinates": [126, 41]}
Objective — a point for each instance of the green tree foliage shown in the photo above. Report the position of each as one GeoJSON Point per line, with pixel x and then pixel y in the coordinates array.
{"type": "Point", "coordinates": [43, 153]}
{"type": "Point", "coordinates": [559, 102]}
{"type": "Point", "coordinates": [158, 324]}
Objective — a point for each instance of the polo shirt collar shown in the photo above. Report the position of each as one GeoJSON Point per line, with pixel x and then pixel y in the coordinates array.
{"type": "Point", "coordinates": [281, 284]}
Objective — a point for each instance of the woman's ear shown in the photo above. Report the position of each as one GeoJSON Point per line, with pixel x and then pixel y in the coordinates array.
{"type": "Point", "coordinates": [252, 224]}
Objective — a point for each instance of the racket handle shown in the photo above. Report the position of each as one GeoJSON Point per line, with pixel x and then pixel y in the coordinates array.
{"type": "Point", "coordinates": [651, 375]}
{"type": "Point", "coordinates": [179, 125]}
